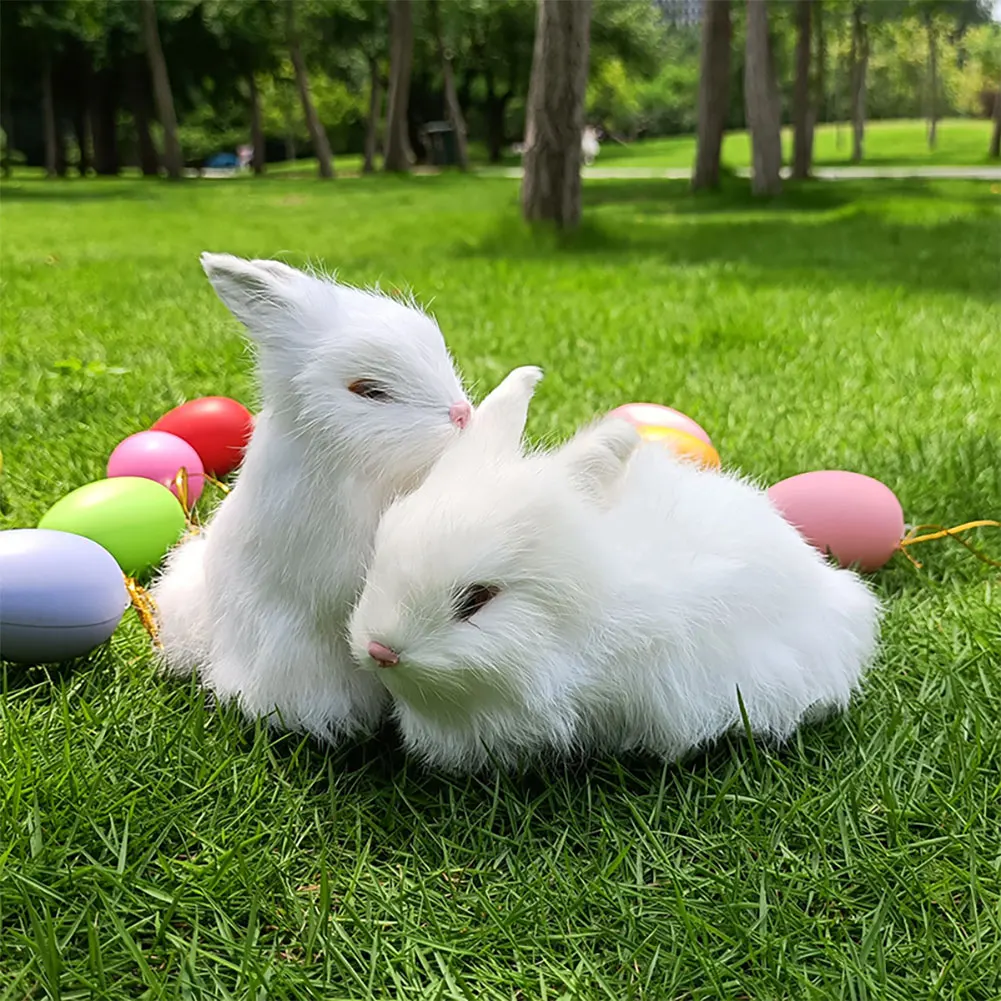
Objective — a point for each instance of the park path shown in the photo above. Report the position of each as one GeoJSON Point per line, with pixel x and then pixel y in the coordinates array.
{"type": "Point", "coordinates": [821, 173]}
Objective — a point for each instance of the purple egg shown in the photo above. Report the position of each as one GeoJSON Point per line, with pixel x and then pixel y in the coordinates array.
{"type": "Point", "coordinates": [61, 595]}
{"type": "Point", "coordinates": [158, 455]}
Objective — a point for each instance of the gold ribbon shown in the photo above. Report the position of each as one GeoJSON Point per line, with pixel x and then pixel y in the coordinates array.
{"type": "Point", "coordinates": [145, 606]}
{"type": "Point", "coordinates": [913, 537]}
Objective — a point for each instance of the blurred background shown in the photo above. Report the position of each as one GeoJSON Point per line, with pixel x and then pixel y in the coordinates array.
{"type": "Point", "coordinates": [223, 86]}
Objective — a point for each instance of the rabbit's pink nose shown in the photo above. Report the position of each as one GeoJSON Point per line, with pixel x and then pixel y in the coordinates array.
{"type": "Point", "coordinates": [382, 655]}
{"type": "Point", "coordinates": [459, 413]}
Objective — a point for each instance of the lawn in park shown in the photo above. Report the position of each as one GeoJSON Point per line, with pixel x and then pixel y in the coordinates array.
{"type": "Point", "coordinates": [961, 142]}
{"type": "Point", "coordinates": [154, 846]}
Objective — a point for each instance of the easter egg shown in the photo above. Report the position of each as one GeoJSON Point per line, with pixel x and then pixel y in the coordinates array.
{"type": "Point", "coordinates": [682, 443]}
{"type": "Point", "coordinates": [855, 518]}
{"type": "Point", "coordinates": [655, 416]}
{"type": "Point", "coordinates": [216, 427]}
{"type": "Point", "coordinates": [157, 455]}
{"type": "Point", "coordinates": [61, 595]}
{"type": "Point", "coordinates": [135, 519]}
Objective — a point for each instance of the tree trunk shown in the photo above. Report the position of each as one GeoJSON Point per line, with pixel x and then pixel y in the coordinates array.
{"type": "Point", "coordinates": [762, 97]}
{"type": "Point", "coordinates": [80, 116]}
{"type": "Point", "coordinates": [374, 110]}
{"type": "Point", "coordinates": [138, 102]}
{"type": "Point", "coordinates": [820, 64]}
{"type": "Point", "coordinates": [452, 105]}
{"type": "Point", "coordinates": [995, 150]}
{"type": "Point", "coordinates": [399, 155]}
{"type": "Point", "coordinates": [551, 186]}
{"type": "Point", "coordinates": [932, 82]}
{"type": "Point", "coordinates": [172, 160]}
{"type": "Point", "coordinates": [714, 92]}
{"type": "Point", "coordinates": [7, 124]}
{"type": "Point", "coordinates": [256, 125]}
{"type": "Point", "coordinates": [317, 133]}
{"type": "Point", "coordinates": [495, 109]}
{"type": "Point", "coordinates": [81, 129]}
{"type": "Point", "coordinates": [149, 159]}
{"type": "Point", "coordinates": [802, 112]}
{"type": "Point", "coordinates": [859, 71]}
{"type": "Point", "coordinates": [49, 118]}
{"type": "Point", "coordinates": [104, 122]}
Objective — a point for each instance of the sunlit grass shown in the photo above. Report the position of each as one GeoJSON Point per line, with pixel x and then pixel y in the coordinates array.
{"type": "Point", "coordinates": [152, 846]}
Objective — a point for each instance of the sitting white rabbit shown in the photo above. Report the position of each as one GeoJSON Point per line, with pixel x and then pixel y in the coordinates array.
{"type": "Point", "coordinates": [605, 596]}
{"type": "Point", "coordinates": [360, 397]}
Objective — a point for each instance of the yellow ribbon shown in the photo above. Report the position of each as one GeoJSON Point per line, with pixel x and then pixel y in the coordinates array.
{"type": "Point", "coordinates": [145, 606]}
{"type": "Point", "coordinates": [912, 538]}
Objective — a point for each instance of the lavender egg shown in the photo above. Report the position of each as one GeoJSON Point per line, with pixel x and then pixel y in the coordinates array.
{"type": "Point", "coordinates": [61, 595]}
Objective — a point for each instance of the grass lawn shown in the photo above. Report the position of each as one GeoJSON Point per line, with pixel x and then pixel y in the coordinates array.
{"type": "Point", "coordinates": [152, 846]}
{"type": "Point", "coordinates": [961, 142]}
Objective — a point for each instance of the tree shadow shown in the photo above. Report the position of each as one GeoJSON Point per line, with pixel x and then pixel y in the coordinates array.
{"type": "Point", "coordinates": [824, 234]}
{"type": "Point", "coordinates": [41, 191]}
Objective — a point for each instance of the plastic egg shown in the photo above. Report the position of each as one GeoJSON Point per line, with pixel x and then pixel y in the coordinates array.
{"type": "Point", "coordinates": [216, 427]}
{"type": "Point", "coordinates": [159, 456]}
{"type": "Point", "coordinates": [683, 444]}
{"type": "Point", "coordinates": [653, 415]}
{"type": "Point", "coordinates": [856, 519]}
{"type": "Point", "coordinates": [135, 519]}
{"type": "Point", "coordinates": [61, 595]}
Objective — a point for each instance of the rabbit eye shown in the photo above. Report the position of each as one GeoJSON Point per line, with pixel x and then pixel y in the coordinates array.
{"type": "Point", "coordinates": [471, 599]}
{"type": "Point", "coordinates": [369, 390]}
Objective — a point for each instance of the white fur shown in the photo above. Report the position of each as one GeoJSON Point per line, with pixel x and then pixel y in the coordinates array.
{"type": "Point", "coordinates": [638, 594]}
{"type": "Point", "coordinates": [259, 602]}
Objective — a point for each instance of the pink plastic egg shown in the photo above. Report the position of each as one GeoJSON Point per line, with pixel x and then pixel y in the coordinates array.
{"type": "Point", "coordinates": [157, 455]}
{"type": "Point", "coordinates": [855, 518]}
{"type": "Point", "coordinates": [653, 415]}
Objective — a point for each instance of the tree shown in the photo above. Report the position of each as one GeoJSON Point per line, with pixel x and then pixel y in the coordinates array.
{"type": "Point", "coordinates": [245, 32]}
{"type": "Point", "coordinates": [317, 134]}
{"type": "Point", "coordinates": [452, 105]}
{"type": "Point", "coordinates": [995, 149]}
{"type": "Point", "coordinates": [858, 71]}
{"type": "Point", "coordinates": [399, 155]}
{"type": "Point", "coordinates": [820, 64]}
{"type": "Point", "coordinates": [762, 97]}
{"type": "Point", "coordinates": [551, 187]}
{"type": "Point", "coordinates": [931, 27]}
{"type": "Point", "coordinates": [714, 92]}
{"type": "Point", "coordinates": [802, 111]}
{"type": "Point", "coordinates": [161, 90]}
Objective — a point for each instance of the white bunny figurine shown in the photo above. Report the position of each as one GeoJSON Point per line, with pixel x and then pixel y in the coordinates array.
{"type": "Point", "coordinates": [605, 596]}
{"type": "Point", "coordinates": [360, 397]}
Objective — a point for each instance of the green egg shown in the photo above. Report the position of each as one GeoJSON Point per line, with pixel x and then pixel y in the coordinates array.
{"type": "Point", "coordinates": [135, 519]}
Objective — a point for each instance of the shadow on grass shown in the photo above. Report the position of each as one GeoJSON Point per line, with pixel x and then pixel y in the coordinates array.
{"type": "Point", "coordinates": [39, 190]}
{"type": "Point", "coordinates": [823, 234]}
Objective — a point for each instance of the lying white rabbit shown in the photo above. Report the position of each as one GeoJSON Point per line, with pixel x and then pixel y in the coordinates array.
{"type": "Point", "coordinates": [360, 397]}
{"type": "Point", "coordinates": [605, 596]}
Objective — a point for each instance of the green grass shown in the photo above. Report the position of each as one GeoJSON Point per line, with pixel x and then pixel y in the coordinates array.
{"type": "Point", "coordinates": [961, 142]}
{"type": "Point", "coordinates": [898, 143]}
{"type": "Point", "coordinates": [152, 846]}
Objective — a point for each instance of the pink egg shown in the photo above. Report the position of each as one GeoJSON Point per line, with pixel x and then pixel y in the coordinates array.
{"type": "Point", "coordinates": [854, 517]}
{"type": "Point", "coordinates": [656, 416]}
{"type": "Point", "coordinates": [157, 455]}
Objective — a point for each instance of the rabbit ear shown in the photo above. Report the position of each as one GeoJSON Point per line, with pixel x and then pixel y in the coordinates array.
{"type": "Point", "coordinates": [499, 421]}
{"type": "Point", "coordinates": [596, 457]}
{"type": "Point", "coordinates": [256, 292]}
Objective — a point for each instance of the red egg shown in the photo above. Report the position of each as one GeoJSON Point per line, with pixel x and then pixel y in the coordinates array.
{"type": "Point", "coordinates": [653, 415]}
{"type": "Point", "coordinates": [216, 427]}
{"type": "Point", "coordinates": [855, 518]}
